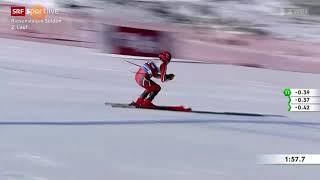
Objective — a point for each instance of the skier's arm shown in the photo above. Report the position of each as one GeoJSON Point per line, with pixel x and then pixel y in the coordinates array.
{"type": "Point", "coordinates": [163, 71]}
{"type": "Point", "coordinates": [163, 76]}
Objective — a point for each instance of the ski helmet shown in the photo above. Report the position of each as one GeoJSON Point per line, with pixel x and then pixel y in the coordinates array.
{"type": "Point", "coordinates": [165, 57]}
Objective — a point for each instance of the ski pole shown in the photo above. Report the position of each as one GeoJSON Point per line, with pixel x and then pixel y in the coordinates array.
{"type": "Point", "coordinates": [131, 62]}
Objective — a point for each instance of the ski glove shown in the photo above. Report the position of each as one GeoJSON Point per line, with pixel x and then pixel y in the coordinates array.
{"type": "Point", "coordinates": [170, 76]}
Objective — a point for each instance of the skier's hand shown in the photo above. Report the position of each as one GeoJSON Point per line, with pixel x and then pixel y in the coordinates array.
{"type": "Point", "coordinates": [170, 76]}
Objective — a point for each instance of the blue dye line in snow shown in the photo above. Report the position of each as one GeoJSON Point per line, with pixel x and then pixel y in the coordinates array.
{"type": "Point", "coordinates": [150, 122]}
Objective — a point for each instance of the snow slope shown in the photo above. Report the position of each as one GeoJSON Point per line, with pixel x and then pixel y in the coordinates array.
{"type": "Point", "coordinates": [53, 124]}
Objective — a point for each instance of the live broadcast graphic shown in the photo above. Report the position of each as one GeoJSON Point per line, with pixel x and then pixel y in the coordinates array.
{"type": "Point", "coordinates": [159, 89]}
{"type": "Point", "coordinates": [22, 17]}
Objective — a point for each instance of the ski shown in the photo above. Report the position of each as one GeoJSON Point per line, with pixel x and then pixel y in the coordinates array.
{"type": "Point", "coordinates": [184, 109]}
{"type": "Point", "coordinates": [164, 108]}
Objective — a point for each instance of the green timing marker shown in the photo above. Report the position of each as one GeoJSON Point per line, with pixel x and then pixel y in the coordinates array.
{"type": "Point", "coordinates": [287, 92]}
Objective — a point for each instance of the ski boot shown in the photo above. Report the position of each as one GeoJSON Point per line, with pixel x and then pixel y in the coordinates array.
{"type": "Point", "coordinates": [148, 104]}
{"type": "Point", "coordinates": [139, 102]}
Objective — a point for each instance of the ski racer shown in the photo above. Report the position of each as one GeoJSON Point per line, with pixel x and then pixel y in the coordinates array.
{"type": "Point", "coordinates": [143, 78]}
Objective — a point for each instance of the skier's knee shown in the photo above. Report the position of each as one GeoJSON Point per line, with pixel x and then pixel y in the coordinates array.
{"type": "Point", "coordinates": [158, 88]}
{"type": "Point", "coordinates": [153, 88]}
